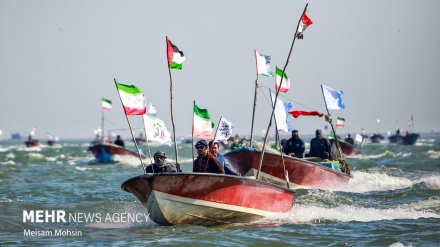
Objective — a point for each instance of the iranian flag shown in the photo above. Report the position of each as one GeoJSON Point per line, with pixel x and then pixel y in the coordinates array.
{"type": "Point", "coordinates": [203, 126]}
{"type": "Point", "coordinates": [132, 99]}
{"type": "Point", "coordinates": [340, 122]}
{"type": "Point", "coordinates": [175, 56]}
{"type": "Point", "coordinates": [305, 22]}
{"type": "Point", "coordinates": [285, 85]}
{"type": "Point", "coordinates": [106, 104]}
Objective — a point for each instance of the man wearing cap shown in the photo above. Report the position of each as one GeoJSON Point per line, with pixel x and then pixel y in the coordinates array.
{"type": "Point", "coordinates": [160, 165]}
{"type": "Point", "coordinates": [205, 162]}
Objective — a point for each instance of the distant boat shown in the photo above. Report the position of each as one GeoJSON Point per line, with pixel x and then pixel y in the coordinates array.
{"type": "Point", "coordinates": [207, 199]}
{"type": "Point", "coordinates": [348, 149]}
{"type": "Point", "coordinates": [106, 152]}
{"type": "Point", "coordinates": [52, 140]}
{"type": "Point", "coordinates": [407, 139]}
{"type": "Point", "coordinates": [377, 138]}
{"type": "Point", "coordinates": [31, 142]}
{"type": "Point", "coordinates": [15, 136]}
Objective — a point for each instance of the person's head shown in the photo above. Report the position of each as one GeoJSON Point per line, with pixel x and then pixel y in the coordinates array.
{"type": "Point", "coordinates": [159, 157]}
{"type": "Point", "coordinates": [349, 135]}
{"type": "Point", "coordinates": [118, 137]}
{"type": "Point", "coordinates": [318, 133]}
{"type": "Point", "coordinates": [215, 148]}
{"type": "Point", "coordinates": [202, 147]}
{"type": "Point", "coordinates": [283, 142]}
{"type": "Point", "coordinates": [295, 134]}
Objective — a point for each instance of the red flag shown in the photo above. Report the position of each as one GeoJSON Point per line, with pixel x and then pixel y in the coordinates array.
{"type": "Point", "coordinates": [296, 114]}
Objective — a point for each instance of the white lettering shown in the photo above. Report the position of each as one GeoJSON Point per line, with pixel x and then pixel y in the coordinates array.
{"type": "Point", "coordinates": [28, 216]}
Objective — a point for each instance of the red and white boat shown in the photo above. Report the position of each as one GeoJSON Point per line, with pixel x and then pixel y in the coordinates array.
{"type": "Point", "coordinates": [207, 199]}
{"type": "Point", "coordinates": [109, 152]}
{"type": "Point", "coordinates": [302, 173]}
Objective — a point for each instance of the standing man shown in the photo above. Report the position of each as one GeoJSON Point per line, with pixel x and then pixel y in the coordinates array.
{"type": "Point", "coordinates": [294, 146]}
{"type": "Point", "coordinates": [119, 141]}
{"type": "Point", "coordinates": [206, 162]}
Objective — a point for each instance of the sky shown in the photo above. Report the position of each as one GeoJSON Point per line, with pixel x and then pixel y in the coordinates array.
{"type": "Point", "coordinates": [59, 58]}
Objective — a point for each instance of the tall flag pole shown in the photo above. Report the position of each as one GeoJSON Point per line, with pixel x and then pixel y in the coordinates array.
{"type": "Point", "coordinates": [276, 97]}
{"type": "Point", "coordinates": [106, 105]}
{"type": "Point", "coordinates": [262, 64]}
{"type": "Point", "coordinates": [133, 102]}
{"type": "Point", "coordinates": [175, 58]}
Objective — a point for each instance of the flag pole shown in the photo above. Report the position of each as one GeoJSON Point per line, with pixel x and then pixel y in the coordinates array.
{"type": "Point", "coordinates": [278, 91]}
{"type": "Point", "coordinates": [192, 132]}
{"type": "Point", "coordinates": [146, 138]}
{"type": "Point", "coordinates": [172, 112]}
{"type": "Point", "coordinates": [131, 129]}
{"type": "Point", "coordinates": [255, 98]}
{"type": "Point", "coordinates": [102, 124]}
{"type": "Point", "coordinates": [338, 146]}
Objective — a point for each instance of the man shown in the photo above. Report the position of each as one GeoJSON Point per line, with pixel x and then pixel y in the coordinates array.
{"type": "Point", "coordinates": [294, 146]}
{"type": "Point", "coordinates": [319, 146]}
{"type": "Point", "coordinates": [205, 162]}
{"type": "Point", "coordinates": [119, 141]}
{"type": "Point", "coordinates": [349, 139]}
{"type": "Point", "coordinates": [215, 151]}
{"type": "Point", "coordinates": [160, 165]}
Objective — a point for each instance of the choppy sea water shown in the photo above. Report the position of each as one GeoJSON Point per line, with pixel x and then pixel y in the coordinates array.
{"type": "Point", "coordinates": [393, 200]}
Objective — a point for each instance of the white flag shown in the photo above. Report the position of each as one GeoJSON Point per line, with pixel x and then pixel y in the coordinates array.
{"type": "Point", "coordinates": [224, 131]}
{"type": "Point", "coordinates": [152, 110]}
{"type": "Point", "coordinates": [156, 131]}
{"type": "Point", "coordinates": [281, 114]}
{"type": "Point", "coordinates": [263, 64]}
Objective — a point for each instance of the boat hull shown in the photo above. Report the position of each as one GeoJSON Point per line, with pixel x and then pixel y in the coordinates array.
{"type": "Point", "coordinates": [348, 149]}
{"type": "Point", "coordinates": [107, 152]}
{"type": "Point", "coordinates": [408, 139]}
{"type": "Point", "coordinates": [207, 199]}
{"type": "Point", "coordinates": [302, 173]}
{"type": "Point", "coordinates": [33, 143]}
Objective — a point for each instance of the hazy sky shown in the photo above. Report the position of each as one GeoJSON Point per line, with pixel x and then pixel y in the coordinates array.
{"type": "Point", "coordinates": [58, 59]}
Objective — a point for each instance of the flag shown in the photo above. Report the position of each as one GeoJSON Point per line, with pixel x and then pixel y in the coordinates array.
{"type": "Point", "coordinates": [33, 130]}
{"type": "Point", "coordinates": [203, 126]}
{"type": "Point", "coordinates": [305, 22]}
{"type": "Point", "coordinates": [359, 139]}
{"type": "Point", "coordinates": [340, 122]}
{"type": "Point", "coordinates": [296, 114]}
{"type": "Point", "coordinates": [263, 64]}
{"type": "Point", "coordinates": [281, 114]}
{"type": "Point", "coordinates": [132, 99]}
{"type": "Point", "coordinates": [156, 131]}
{"type": "Point", "coordinates": [106, 104]}
{"type": "Point", "coordinates": [224, 131]}
{"type": "Point", "coordinates": [285, 86]}
{"type": "Point", "coordinates": [175, 56]}
{"type": "Point", "coordinates": [151, 109]}
{"type": "Point", "coordinates": [332, 98]}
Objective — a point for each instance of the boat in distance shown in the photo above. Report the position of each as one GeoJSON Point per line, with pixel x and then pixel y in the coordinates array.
{"type": "Point", "coordinates": [207, 199]}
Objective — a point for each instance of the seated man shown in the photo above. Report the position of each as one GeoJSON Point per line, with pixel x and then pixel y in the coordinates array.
{"type": "Point", "coordinates": [294, 146]}
{"type": "Point", "coordinates": [206, 162]}
{"type": "Point", "coordinates": [349, 139]}
{"type": "Point", "coordinates": [160, 165]}
{"type": "Point", "coordinates": [319, 146]}
{"type": "Point", "coordinates": [119, 141]}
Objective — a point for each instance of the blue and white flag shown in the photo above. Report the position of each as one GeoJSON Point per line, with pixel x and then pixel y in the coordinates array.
{"type": "Point", "coordinates": [281, 114]}
{"type": "Point", "coordinates": [263, 64]}
{"type": "Point", "coordinates": [332, 98]}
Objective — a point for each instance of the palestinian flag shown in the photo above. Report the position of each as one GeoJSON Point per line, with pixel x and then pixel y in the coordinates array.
{"type": "Point", "coordinates": [203, 126]}
{"type": "Point", "coordinates": [132, 99]}
{"type": "Point", "coordinates": [285, 86]}
{"type": "Point", "coordinates": [175, 56]}
{"type": "Point", "coordinates": [340, 122]}
{"type": "Point", "coordinates": [305, 22]}
{"type": "Point", "coordinates": [106, 104]}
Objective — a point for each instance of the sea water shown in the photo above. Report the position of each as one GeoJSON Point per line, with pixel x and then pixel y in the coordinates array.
{"type": "Point", "coordinates": [59, 195]}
